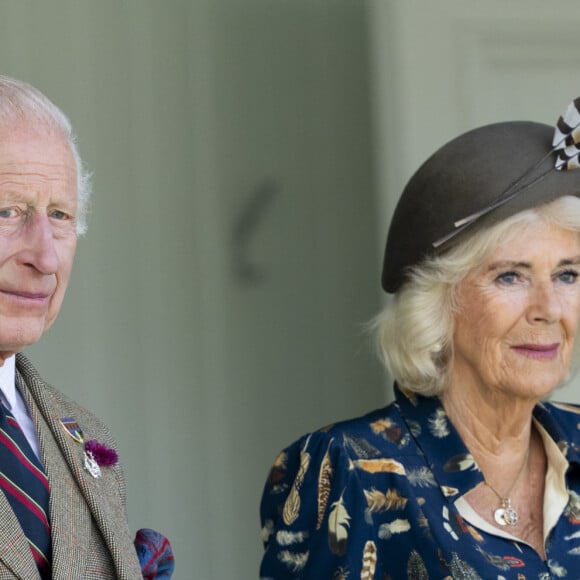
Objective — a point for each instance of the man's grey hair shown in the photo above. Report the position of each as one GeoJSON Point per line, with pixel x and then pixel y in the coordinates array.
{"type": "Point", "coordinates": [22, 101]}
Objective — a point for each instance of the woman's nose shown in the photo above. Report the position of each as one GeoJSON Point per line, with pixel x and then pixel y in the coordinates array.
{"type": "Point", "coordinates": [545, 304]}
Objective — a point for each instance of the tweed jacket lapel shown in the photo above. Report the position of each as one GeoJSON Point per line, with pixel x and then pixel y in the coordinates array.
{"type": "Point", "coordinates": [66, 499]}
{"type": "Point", "coordinates": [91, 500]}
{"type": "Point", "coordinates": [15, 552]}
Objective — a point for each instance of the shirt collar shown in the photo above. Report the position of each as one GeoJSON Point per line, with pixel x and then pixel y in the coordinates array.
{"type": "Point", "coordinates": [8, 382]}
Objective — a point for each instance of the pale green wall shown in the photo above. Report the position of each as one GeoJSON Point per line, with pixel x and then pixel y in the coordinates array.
{"type": "Point", "coordinates": [189, 112]}
{"type": "Point", "coordinates": [184, 111]}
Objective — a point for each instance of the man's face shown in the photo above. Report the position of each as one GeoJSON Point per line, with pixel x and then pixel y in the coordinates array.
{"type": "Point", "coordinates": [38, 205]}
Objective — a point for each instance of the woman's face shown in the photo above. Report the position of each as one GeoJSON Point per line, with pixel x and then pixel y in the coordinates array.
{"type": "Point", "coordinates": [518, 314]}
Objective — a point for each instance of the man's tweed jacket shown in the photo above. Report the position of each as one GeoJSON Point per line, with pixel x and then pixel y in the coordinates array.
{"type": "Point", "coordinates": [90, 536]}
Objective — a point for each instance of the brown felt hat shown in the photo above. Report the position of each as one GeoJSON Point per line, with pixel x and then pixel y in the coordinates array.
{"type": "Point", "coordinates": [498, 169]}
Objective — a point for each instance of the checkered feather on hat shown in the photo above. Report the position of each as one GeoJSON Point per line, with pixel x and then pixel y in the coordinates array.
{"type": "Point", "coordinates": [567, 137]}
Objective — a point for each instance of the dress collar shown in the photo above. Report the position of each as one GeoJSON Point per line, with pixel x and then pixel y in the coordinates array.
{"type": "Point", "coordinates": [453, 466]}
{"type": "Point", "coordinates": [563, 429]}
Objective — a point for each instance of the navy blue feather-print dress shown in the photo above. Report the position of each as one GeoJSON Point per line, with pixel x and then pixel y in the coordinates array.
{"type": "Point", "coordinates": [374, 498]}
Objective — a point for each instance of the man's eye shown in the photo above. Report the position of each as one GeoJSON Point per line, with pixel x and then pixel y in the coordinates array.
{"type": "Point", "coordinates": [58, 215]}
{"type": "Point", "coordinates": [7, 212]}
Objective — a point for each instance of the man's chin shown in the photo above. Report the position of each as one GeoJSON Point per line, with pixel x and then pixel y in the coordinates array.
{"type": "Point", "coordinates": [14, 339]}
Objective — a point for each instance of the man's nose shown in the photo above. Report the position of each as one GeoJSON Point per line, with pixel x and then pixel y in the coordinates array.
{"type": "Point", "coordinates": [39, 250]}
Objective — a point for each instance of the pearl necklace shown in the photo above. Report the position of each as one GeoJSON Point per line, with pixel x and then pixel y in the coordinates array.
{"type": "Point", "coordinates": [505, 514]}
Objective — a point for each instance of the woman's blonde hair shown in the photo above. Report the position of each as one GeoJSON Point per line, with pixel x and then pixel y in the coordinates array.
{"type": "Point", "coordinates": [415, 329]}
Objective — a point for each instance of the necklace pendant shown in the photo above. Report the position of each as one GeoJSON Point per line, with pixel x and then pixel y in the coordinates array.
{"type": "Point", "coordinates": [499, 516]}
{"type": "Point", "coordinates": [510, 516]}
{"type": "Point", "coordinates": [506, 515]}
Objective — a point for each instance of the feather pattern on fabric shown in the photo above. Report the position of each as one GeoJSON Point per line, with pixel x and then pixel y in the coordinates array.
{"type": "Point", "coordinates": [379, 501]}
{"type": "Point", "coordinates": [267, 531]}
{"type": "Point", "coordinates": [338, 523]}
{"type": "Point", "coordinates": [461, 462]}
{"type": "Point", "coordinates": [557, 570]}
{"type": "Point", "coordinates": [421, 477]}
{"type": "Point", "coordinates": [292, 504]}
{"type": "Point", "coordinates": [278, 469]}
{"type": "Point", "coordinates": [438, 424]}
{"type": "Point", "coordinates": [294, 560]}
{"type": "Point", "coordinates": [461, 569]}
{"type": "Point", "coordinates": [361, 447]}
{"type": "Point", "coordinates": [573, 508]}
{"type": "Point", "coordinates": [285, 538]}
{"type": "Point", "coordinates": [324, 481]}
{"type": "Point", "coordinates": [383, 465]}
{"type": "Point", "coordinates": [390, 431]}
{"type": "Point", "coordinates": [369, 564]}
{"type": "Point", "coordinates": [341, 573]}
{"type": "Point", "coordinates": [449, 491]}
{"type": "Point", "coordinates": [397, 526]}
{"type": "Point", "coordinates": [416, 568]}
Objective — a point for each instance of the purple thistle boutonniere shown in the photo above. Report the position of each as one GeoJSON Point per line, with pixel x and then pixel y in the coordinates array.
{"type": "Point", "coordinates": [103, 455]}
{"type": "Point", "coordinates": [98, 455]}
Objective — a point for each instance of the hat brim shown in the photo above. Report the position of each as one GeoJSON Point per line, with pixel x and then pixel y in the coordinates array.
{"type": "Point", "coordinates": [466, 176]}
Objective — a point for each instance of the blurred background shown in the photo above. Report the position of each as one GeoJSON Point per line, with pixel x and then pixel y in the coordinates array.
{"type": "Point", "coordinates": [247, 155]}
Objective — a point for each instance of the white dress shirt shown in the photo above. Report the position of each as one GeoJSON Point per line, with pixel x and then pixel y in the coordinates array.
{"type": "Point", "coordinates": [14, 402]}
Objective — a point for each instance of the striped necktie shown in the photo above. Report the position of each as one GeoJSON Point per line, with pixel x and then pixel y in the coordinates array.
{"type": "Point", "coordinates": [25, 485]}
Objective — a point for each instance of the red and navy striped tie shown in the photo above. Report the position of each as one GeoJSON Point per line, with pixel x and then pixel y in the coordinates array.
{"type": "Point", "coordinates": [25, 485]}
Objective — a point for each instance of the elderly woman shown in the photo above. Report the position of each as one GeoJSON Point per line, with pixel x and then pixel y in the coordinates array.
{"type": "Point", "coordinates": [470, 473]}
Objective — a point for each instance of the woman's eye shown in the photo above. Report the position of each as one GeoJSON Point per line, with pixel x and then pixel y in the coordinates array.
{"type": "Point", "coordinates": [508, 278]}
{"type": "Point", "coordinates": [568, 276]}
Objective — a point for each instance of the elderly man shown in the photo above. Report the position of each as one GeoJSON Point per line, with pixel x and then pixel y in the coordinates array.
{"type": "Point", "coordinates": [62, 510]}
